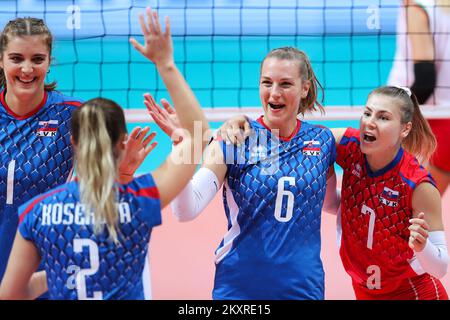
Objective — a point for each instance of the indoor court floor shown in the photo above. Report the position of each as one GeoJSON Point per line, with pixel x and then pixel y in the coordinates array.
{"type": "Point", "coordinates": [182, 255]}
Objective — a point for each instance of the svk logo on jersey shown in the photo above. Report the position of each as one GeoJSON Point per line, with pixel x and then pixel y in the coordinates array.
{"type": "Point", "coordinates": [389, 197]}
{"type": "Point", "coordinates": [47, 128]}
{"type": "Point", "coordinates": [258, 152]}
{"type": "Point", "coordinates": [311, 148]}
{"type": "Point", "coordinates": [357, 170]}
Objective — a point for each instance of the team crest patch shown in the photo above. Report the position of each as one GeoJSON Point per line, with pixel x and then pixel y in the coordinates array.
{"type": "Point", "coordinates": [258, 152]}
{"type": "Point", "coordinates": [389, 197]}
{"type": "Point", "coordinates": [357, 170]}
{"type": "Point", "coordinates": [311, 148]}
{"type": "Point", "coordinates": [47, 128]}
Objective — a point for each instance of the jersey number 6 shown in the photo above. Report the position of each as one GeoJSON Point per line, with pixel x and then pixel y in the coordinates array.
{"type": "Point", "coordinates": [279, 201]}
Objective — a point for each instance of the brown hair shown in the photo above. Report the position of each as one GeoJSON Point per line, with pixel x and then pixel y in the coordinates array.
{"type": "Point", "coordinates": [97, 126]}
{"type": "Point", "coordinates": [420, 140]}
{"type": "Point", "coordinates": [306, 73]}
{"type": "Point", "coordinates": [21, 27]}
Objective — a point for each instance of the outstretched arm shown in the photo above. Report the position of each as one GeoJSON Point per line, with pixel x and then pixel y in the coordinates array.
{"type": "Point", "coordinates": [166, 118]}
{"type": "Point", "coordinates": [419, 32]}
{"type": "Point", "coordinates": [19, 282]}
{"type": "Point", "coordinates": [422, 50]}
{"type": "Point", "coordinates": [176, 171]}
{"type": "Point", "coordinates": [206, 182]}
{"type": "Point", "coordinates": [202, 188]}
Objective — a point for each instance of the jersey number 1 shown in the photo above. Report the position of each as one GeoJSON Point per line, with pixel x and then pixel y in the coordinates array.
{"type": "Point", "coordinates": [10, 182]}
{"type": "Point", "coordinates": [281, 193]}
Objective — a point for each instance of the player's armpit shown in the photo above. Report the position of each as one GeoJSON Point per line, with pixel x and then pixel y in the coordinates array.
{"type": "Point", "coordinates": [338, 133]}
{"type": "Point", "coordinates": [332, 195]}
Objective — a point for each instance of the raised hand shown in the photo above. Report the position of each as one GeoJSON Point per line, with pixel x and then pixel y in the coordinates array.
{"type": "Point", "coordinates": [418, 232]}
{"type": "Point", "coordinates": [158, 46]}
{"type": "Point", "coordinates": [137, 149]}
{"type": "Point", "coordinates": [166, 118]}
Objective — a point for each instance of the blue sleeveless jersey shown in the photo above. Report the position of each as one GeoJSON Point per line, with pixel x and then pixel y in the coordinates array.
{"type": "Point", "coordinates": [273, 195]}
{"type": "Point", "coordinates": [83, 265]}
{"type": "Point", "coordinates": [35, 156]}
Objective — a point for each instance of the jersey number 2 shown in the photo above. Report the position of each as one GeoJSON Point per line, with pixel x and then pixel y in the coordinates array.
{"type": "Point", "coordinates": [78, 245]}
{"type": "Point", "coordinates": [281, 193]}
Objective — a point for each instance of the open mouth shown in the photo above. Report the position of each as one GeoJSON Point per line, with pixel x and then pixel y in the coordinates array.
{"type": "Point", "coordinates": [26, 81]}
{"type": "Point", "coordinates": [369, 137]}
{"type": "Point", "coordinates": [276, 106]}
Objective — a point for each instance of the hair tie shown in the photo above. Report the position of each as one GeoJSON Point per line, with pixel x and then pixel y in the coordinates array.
{"type": "Point", "coordinates": [406, 89]}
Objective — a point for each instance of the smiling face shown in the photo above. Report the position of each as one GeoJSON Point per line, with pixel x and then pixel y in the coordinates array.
{"type": "Point", "coordinates": [381, 127]}
{"type": "Point", "coordinates": [281, 89]}
{"type": "Point", "coordinates": [25, 62]}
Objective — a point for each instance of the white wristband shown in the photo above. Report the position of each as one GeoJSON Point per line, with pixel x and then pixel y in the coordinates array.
{"type": "Point", "coordinates": [194, 198]}
{"type": "Point", "coordinates": [434, 257]}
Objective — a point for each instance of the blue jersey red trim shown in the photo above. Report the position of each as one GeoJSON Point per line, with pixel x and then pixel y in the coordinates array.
{"type": "Point", "coordinates": [25, 116]}
{"type": "Point", "coordinates": [345, 140]}
{"type": "Point", "coordinates": [390, 166]}
{"type": "Point", "coordinates": [71, 103]}
{"type": "Point", "coordinates": [36, 201]}
{"type": "Point", "coordinates": [292, 135]}
{"type": "Point", "coordinates": [151, 192]}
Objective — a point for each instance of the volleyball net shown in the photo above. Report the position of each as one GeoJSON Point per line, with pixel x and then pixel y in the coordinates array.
{"type": "Point", "coordinates": [218, 46]}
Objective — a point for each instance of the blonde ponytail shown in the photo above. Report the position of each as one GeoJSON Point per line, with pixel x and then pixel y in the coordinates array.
{"type": "Point", "coordinates": [96, 128]}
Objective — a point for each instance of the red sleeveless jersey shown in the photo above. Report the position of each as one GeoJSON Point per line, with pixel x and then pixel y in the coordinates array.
{"type": "Point", "coordinates": [375, 212]}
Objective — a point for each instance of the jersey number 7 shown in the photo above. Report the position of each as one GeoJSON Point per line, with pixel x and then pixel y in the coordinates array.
{"type": "Point", "coordinates": [366, 210]}
{"type": "Point", "coordinates": [10, 182]}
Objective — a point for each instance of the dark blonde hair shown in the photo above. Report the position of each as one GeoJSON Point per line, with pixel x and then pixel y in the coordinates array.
{"type": "Point", "coordinates": [420, 141]}
{"type": "Point", "coordinates": [97, 127]}
{"type": "Point", "coordinates": [21, 27]}
{"type": "Point", "coordinates": [310, 102]}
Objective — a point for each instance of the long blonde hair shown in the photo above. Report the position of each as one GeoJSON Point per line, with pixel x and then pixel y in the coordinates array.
{"type": "Point", "coordinates": [97, 126]}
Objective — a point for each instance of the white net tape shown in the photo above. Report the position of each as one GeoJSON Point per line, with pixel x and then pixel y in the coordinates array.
{"type": "Point", "coordinates": [331, 113]}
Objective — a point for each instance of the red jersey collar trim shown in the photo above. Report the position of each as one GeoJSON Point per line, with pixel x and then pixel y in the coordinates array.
{"type": "Point", "coordinates": [286, 139]}
{"type": "Point", "coordinates": [25, 116]}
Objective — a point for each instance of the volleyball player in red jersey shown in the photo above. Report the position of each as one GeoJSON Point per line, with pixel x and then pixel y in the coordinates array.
{"type": "Point", "coordinates": [392, 242]}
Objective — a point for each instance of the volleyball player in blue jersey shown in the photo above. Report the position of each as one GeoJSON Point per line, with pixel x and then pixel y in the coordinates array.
{"type": "Point", "coordinates": [93, 233]}
{"type": "Point", "coordinates": [274, 187]}
{"type": "Point", "coordinates": [35, 150]}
